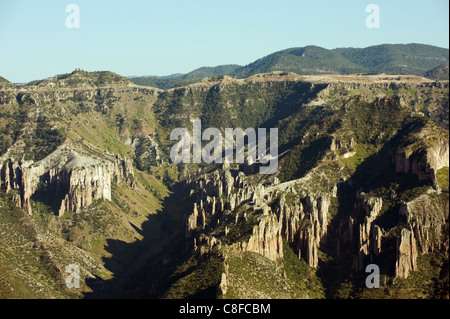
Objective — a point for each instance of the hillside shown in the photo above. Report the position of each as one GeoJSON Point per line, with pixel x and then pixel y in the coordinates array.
{"type": "Point", "coordinates": [5, 84]}
{"type": "Point", "coordinates": [397, 58]}
{"type": "Point", "coordinates": [82, 78]}
{"type": "Point", "coordinates": [179, 79]}
{"type": "Point", "coordinates": [386, 58]}
{"type": "Point", "coordinates": [87, 179]}
{"type": "Point", "coordinates": [306, 60]}
{"type": "Point", "coordinates": [206, 72]}
{"type": "Point", "coordinates": [438, 73]}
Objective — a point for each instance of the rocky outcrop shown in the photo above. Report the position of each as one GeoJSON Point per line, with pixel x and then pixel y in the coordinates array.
{"type": "Point", "coordinates": [369, 233]}
{"type": "Point", "coordinates": [305, 223]}
{"type": "Point", "coordinates": [423, 161]}
{"type": "Point", "coordinates": [224, 199]}
{"type": "Point", "coordinates": [406, 254]}
{"type": "Point", "coordinates": [427, 216]}
{"type": "Point", "coordinates": [343, 146]}
{"type": "Point", "coordinates": [266, 238]}
{"type": "Point", "coordinates": [42, 96]}
{"type": "Point", "coordinates": [77, 177]}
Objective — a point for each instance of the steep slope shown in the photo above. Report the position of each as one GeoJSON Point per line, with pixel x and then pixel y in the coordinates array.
{"type": "Point", "coordinates": [5, 84]}
{"type": "Point", "coordinates": [438, 73]}
{"type": "Point", "coordinates": [69, 187]}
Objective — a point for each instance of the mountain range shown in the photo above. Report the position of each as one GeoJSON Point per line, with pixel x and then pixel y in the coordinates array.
{"type": "Point", "coordinates": [417, 59]}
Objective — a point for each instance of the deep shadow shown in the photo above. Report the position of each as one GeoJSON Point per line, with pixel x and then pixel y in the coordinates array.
{"type": "Point", "coordinates": [137, 229]}
{"type": "Point", "coordinates": [50, 194]}
{"type": "Point", "coordinates": [142, 269]}
{"type": "Point", "coordinates": [376, 176]}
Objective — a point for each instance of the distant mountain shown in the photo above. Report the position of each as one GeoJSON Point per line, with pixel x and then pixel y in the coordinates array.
{"type": "Point", "coordinates": [439, 73]}
{"type": "Point", "coordinates": [306, 60]}
{"type": "Point", "coordinates": [163, 83]}
{"type": "Point", "coordinates": [206, 72]}
{"type": "Point", "coordinates": [413, 58]}
{"type": "Point", "coordinates": [397, 58]}
{"type": "Point", "coordinates": [180, 79]}
{"type": "Point", "coordinates": [386, 58]}
{"type": "Point", "coordinates": [171, 76]}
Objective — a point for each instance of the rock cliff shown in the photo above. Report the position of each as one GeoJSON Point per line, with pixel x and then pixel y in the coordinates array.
{"type": "Point", "coordinates": [225, 200]}
{"type": "Point", "coordinates": [77, 177]}
{"type": "Point", "coordinates": [424, 154]}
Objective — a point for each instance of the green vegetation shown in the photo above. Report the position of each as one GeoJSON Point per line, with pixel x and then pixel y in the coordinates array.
{"type": "Point", "coordinates": [252, 275]}
{"type": "Point", "coordinates": [163, 83]}
{"type": "Point", "coordinates": [397, 58]}
{"type": "Point", "coordinates": [299, 272]}
{"type": "Point", "coordinates": [207, 72]}
{"type": "Point", "coordinates": [429, 281]}
{"type": "Point", "coordinates": [135, 244]}
{"type": "Point", "coordinates": [200, 281]}
{"type": "Point", "coordinates": [385, 58]}
{"type": "Point", "coordinates": [77, 77]}
{"type": "Point", "coordinates": [46, 139]}
{"type": "Point", "coordinates": [442, 176]}
{"type": "Point", "coordinates": [5, 84]}
{"type": "Point", "coordinates": [179, 80]}
{"type": "Point", "coordinates": [241, 231]}
{"type": "Point", "coordinates": [362, 152]}
{"type": "Point", "coordinates": [306, 60]}
{"type": "Point", "coordinates": [438, 73]}
{"type": "Point", "coordinates": [27, 269]}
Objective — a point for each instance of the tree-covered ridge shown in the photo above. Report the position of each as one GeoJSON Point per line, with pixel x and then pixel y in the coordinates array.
{"type": "Point", "coordinates": [439, 73]}
{"type": "Point", "coordinates": [397, 58]}
{"type": "Point", "coordinates": [178, 80]}
{"type": "Point", "coordinates": [207, 71]}
{"type": "Point", "coordinates": [416, 59]}
{"type": "Point", "coordinates": [386, 58]}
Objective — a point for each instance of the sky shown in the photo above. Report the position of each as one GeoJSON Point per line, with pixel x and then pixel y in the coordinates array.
{"type": "Point", "coordinates": [162, 37]}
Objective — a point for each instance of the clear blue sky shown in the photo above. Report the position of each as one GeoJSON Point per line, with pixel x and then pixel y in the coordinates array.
{"type": "Point", "coordinates": [161, 37]}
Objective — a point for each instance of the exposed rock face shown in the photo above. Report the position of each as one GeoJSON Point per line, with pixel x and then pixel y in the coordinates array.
{"type": "Point", "coordinates": [423, 162]}
{"type": "Point", "coordinates": [423, 223]}
{"type": "Point", "coordinates": [42, 96]}
{"type": "Point", "coordinates": [81, 178]}
{"type": "Point", "coordinates": [427, 216]}
{"type": "Point", "coordinates": [303, 222]}
{"type": "Point", "coordinates": [266, 238]}
{"type": "Point", "coordinates": [369, 233]}
{"type": "Point", "coordinates": [406, 254]}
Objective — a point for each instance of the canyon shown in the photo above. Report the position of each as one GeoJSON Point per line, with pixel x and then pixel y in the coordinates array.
{"type": "Point", "coordinates": [358, 183]}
